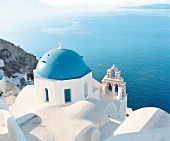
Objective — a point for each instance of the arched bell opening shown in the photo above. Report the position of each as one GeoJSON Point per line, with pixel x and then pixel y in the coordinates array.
{"type": "Point", "coordinates": [109, 86]}
{"type": "Point", "coordinates": [116, 88]}
{"type": "Point", "coordinates": [113, 73]}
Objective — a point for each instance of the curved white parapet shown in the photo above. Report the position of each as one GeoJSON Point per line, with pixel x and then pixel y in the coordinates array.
{"type": "Point", "coordinates": [25, 92]}
{"type": "Point", "coordinates": [25, 118]}
{"type": "Point", "coordinates": [9, 129]}
{"type": "Point", "coordinates": [14, 131]}
{"type": "Point", "coordinates": [27, 98]}
{"type": "Point", "coordinates": [95, 135]}
{"type": "Point", "coordinates": [89, 133]}
{"type": "Point", "coordinates": [108, 107]}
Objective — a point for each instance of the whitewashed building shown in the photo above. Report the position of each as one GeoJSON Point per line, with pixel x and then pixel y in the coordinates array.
{"type": "Point", "coordinates": [62, 76]}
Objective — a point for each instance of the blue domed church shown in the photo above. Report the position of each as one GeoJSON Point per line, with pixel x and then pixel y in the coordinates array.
{"type": "Point", "coordinates": [62, 77]}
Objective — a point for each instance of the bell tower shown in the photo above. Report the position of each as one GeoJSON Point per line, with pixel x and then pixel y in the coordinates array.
{"type": "Point", "coordinates": [114, 90]}
{"type": "Point", "coordinates": [114, 84]}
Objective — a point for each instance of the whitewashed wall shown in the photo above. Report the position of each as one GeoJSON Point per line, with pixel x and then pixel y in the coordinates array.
{"type": "Point", "coordinates": [27, 97]}
{"type": "Point", "coordinates": [123, 108]}
{"type": "Point", "coordinates": [56, 89]}
{"type": "Point", "coordinates": [95, 94]}
{"type": "Point", "coordinates": [40, 85]}
{"type": "Point", "coordinates": [96, 83]}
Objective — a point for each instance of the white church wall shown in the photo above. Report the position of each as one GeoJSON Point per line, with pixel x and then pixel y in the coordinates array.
{"type": "Point", "coordinates": [41, 84]}
{"type": "Point", "coordinates": [95, 94]}
{"type": "Point", "coordinates": [95, 86]}
{"type": "Point", "coordinates": [122, 109]}
{"type": "Point", "coordinates": [56, 89]}
{"type": "Point", "coordinates": [89, 79]}
{"type": "Point", "coordinates": [76, 87]}
{"type": "Point", "coordinates": [103, 92]}
{"type": "Point", "coordinates": [76, 90]}
{"type": "Point", "coordinates": [30, 102]}
{"type": "Point", "coordinates": [27, 97]}
{"type": "Point", "coordinates": [96, 83]}
{"type": "Point", "coordinates": [119, 93]}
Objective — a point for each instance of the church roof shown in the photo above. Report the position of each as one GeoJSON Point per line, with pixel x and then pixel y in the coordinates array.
{"type": "Point", "coordinates": [65, 123]}
{"type": "Point", "coordinates": [144, 119]}
{"type": "Point", "coordinates": [61, 64]}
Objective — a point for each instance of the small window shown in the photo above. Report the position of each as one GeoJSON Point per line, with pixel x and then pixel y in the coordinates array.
{"type": "Point", "coordinates": [46, 95]}
{"type": "Point", "coordinates": [86, 89]}
{"type": "Point", "coordinates": [67, 95]}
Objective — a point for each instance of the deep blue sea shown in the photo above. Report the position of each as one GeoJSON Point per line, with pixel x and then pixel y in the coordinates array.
{"type": "Point", "coordinates": [137, 42]}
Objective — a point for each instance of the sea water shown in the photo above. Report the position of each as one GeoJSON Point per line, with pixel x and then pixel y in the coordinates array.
{"type": "Point", "coordinates": [138, 43]}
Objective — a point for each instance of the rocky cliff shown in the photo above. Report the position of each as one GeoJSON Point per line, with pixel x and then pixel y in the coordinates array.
{"type": "Point", "coordinates": [16, 59]}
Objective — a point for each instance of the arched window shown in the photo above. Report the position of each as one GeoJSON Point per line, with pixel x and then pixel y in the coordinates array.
{"type": "Point", "coordinates": [46, 95]}
{"type": "Point", "coordinates": [86, 89]}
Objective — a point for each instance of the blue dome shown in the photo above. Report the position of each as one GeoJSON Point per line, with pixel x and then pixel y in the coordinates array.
{"type": "Point", "coordinates": [61, 64]}
{"type": "Point", "coordinates": [1, 76]}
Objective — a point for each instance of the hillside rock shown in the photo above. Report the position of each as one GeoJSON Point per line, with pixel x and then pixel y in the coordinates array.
{"type": "Point", "coordinates": [16, 59]}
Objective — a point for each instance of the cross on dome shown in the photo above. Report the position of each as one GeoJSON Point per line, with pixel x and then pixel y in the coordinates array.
{"type": "Point", "coordinates": [60, 45]}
